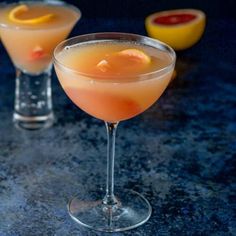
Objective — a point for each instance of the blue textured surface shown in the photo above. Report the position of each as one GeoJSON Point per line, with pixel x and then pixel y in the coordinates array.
{"type": "Point", "coordinates": [180, 153]}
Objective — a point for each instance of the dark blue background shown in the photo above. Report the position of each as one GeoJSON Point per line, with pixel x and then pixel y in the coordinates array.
{"type": "Point", "coordinates": [181, 153]}
{"type": "Point", "coordinates": [141, 8]}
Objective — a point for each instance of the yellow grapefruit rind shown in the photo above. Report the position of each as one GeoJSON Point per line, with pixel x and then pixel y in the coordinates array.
{"type": "Point", "coordinates": [180, 36]}
{"type": "Point", "coordinates": [23, 8]}
{"type": "Point", "coordinates": [132, 52]}
{"type": "Point", "coordinates": [141, 56]}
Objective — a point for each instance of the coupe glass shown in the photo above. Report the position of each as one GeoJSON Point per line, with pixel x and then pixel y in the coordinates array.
{"type": "Point", "coordinates": [30, 49]}
{"type": "Point", "coordinates": [126, 209]}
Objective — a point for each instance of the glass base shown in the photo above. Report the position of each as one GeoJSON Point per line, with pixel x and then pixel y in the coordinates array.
{"type": "Point", "coordinates": [33, 122]}
{"type": "Point", "coordinates": [131, 211]}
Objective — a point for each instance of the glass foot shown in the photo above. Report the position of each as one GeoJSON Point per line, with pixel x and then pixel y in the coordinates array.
{"type": "Point", "coordinates": [131, 211]}
{"type": "Point", "coordinates": [33, 122]}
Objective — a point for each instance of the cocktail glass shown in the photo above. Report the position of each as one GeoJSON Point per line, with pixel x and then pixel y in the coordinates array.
{"type": "Point", "coordinates": [126, 209]}
{"type": "Point", "coordinates": [30, 47]}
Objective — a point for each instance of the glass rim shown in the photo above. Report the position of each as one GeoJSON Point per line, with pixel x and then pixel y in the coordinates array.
{"type": "Point", "coordinates": [46, 2]}
{"type": "Point", "coordinates": [107, 78]}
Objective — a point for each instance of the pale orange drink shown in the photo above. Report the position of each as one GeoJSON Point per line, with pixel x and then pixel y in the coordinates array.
{"type": "Point", "coordinates": [31, 30]}
{"type": "Point", "coordinates": [113, 77]}
{"type": "Point", "coordinates": [109, 79]}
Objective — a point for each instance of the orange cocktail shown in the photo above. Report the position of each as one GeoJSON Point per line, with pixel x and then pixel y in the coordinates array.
{"type": "Point", "coordinates": [103, 78]}
{"type": "Point", "coordinates": [113, 77]}
{"type": "Point", "coordinates": [30, 30]}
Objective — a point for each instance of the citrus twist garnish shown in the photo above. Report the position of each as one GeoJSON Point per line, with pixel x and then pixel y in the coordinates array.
{"type": "Point", "coordinates": [132, 56]}
{"type": "Point", "coordinates": [17, 11]}
{"type": "Point", "coordinates": [136, 54]}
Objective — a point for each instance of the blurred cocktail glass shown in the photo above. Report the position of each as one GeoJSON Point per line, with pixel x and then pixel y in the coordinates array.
{"type": "Point", "coordinates": [113, 77]}
{"type": "Point", "coordinates": [30, 30]}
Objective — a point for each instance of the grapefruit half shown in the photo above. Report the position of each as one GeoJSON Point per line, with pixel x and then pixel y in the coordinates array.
{"type": "Point", "coordinates": [180, 28]}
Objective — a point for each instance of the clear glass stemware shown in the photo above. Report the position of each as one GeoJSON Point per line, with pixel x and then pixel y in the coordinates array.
{"type": "Point", "coordinates": [105, 210]}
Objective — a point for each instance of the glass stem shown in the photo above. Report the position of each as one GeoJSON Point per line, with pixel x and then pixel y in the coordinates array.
{"type": "Point", "coordinates": [33, 94]}
{"type": "Point", "coordinates": [109, 198]}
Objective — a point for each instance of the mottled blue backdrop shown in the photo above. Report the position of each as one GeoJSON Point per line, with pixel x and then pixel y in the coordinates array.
{"type": "Point", "coordinates": [181, 153]}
